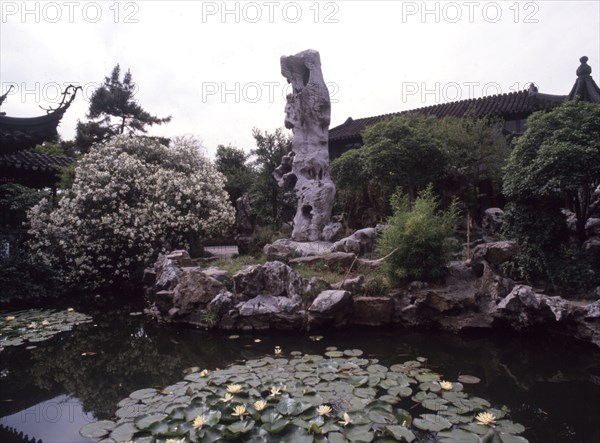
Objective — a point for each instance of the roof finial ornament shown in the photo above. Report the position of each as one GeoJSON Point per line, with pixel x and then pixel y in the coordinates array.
{"type": "Point", "coordinates": [584, 69]}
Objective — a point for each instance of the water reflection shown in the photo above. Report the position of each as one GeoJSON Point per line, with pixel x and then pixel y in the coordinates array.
{"type": "Point", "coordinates": [552, 387]}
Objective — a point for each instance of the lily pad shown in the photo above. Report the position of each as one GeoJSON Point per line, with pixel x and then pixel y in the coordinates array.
{"type": "Point", "coordinates": [97, 429]}
{"type": "Point", "coordinates": [469, 379]}
{"type": "Point", "coordinates": [432, 423]}
{"type": "Point", "coordinates": [400, 433]}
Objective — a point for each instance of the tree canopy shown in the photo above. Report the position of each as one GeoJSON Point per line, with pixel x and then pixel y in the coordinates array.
{"type": "Point", "coordinates": [114, 110]}
{"type": "Point", "coordinates": [411, 151]}
{"type": "Point", "coordinates": [272, 204]}
{"type": "Point", "coordinates": [555, 164]}
{"type": "Point", "coordinates": [233, 163]}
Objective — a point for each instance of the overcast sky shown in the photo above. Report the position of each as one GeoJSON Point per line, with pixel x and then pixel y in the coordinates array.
{"type": "Point", "coordinates": [214, 66]}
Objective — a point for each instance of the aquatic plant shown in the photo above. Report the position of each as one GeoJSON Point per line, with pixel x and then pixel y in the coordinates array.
{"type": "Point", "coordinates": [35, 325]}
{"type": "Point", "coordinates": [336, 397]}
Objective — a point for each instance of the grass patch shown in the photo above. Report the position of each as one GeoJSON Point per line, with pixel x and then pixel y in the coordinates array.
{"type": "Point", "coordinates": [322, 271]}
{"type": "Point", "coordinates": [236, 264]}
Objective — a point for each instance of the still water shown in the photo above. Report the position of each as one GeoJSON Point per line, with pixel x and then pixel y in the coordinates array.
{"type": "Point", "coordinates": [552, 386]}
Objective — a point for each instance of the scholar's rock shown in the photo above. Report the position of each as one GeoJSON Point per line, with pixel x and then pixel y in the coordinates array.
{"type": "Point", "coordinates": [306, 167]}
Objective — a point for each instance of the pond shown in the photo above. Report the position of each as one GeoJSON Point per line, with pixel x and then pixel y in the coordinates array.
{"type": "Point", "coordinates": [550, 385]}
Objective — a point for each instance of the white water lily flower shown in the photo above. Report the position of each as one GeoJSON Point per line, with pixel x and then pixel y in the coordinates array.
{"type": "Point", "coordinates": [275, 391]}
{"type": "Point", "coordinates": [234, 389]}
{"type": "Point", "coordinates": [485, 418]}
{"type": "Point", "coordinates": [204, 373]}
{"type": "Point", "coordinates": [227, 397]}
{"type": "Point", "coordinates": [346, 420]}
{"type": "Point", "coordinates": [198, 422]}
{"type": "Point", "coordinates": [259, 405]}
{"type": "Point", "coordinates": [239, 411]}
{"type": "Point", "coordinates": [324, 410]}
{"type": "Point", "coordinates": [446, 385]}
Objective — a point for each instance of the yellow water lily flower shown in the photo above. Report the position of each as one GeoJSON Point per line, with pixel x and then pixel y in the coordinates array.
{"type": "Point", "coordinates": [10, 318]}
{"type": "Point", "coordinates": [227, 397]}
{"type": "Point", "coordinates": [204, 373]}
{"type": "Point", "coordinates": [198, 422]}
{"type": "Point", "coordinates": [446, 385]}
{"type": "Point", "coordinates": [485, 418]}
{"type": "Point", "coordinates": [346, 420]}
{"type": "Point", "coordinates": [324, 410]}
{"type": "Point", "coordinates": [45, 323]}
{"type": "Point", "coordinates": [239, 411]}
{"type": "Point", "coordinates": [259, 405]}
{"type": "Point", "coordinates": [234, 389]}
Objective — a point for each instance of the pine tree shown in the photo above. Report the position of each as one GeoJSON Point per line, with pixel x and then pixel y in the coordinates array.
{"type": "Point", "coordinates": [114, 110]}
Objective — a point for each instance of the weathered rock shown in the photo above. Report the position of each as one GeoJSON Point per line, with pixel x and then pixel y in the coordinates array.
{"type": "Point", "coordinates": [308, 112]}
{"type": "Point", "coordinates": [592, 227]}
{"type": "Point", "coordinates": [167, 274]}
{"type": "Point", "coordinates": [330, 308]}
{"type": "Point", "coordinates": [195, 289]}
{"type": "Point", "coordinates": [329, 302]}
{"type": "Point", "coordinates": [273, 278]}
{"type": "Point", "coordinates": [495, 253]}
{"type": "Point", "coordinates": [332, 230]}
{"type": "Point", "coordinates": [181, 258]}
{"type": "Point", "coordinates": [218, 274]}
{"type": "Point", "coordinates": [459, 271]}
{"type": "Point", "coordinates": [523, 308]}
{"type": "Point", "coordinates": [332, 260]}
{"type": "Point", "coordinates": [354, 285]}
{"type": "Point", "coordinates": [492, 221]}
{"type": "Point", "coordinates": [285, 249]}
{"type": "Point", "coordinates": [362, 241]}
{"type": "Point", "coordinates": [592, 246]}
{"type": "Point", "coordinates": [315, 286]}
{"type": "Point", "coordinates": [223, 302]}
{"type": "Point", "coordinates": [267, 304]}
{"type": "Point", "coordinates": [372, 311]}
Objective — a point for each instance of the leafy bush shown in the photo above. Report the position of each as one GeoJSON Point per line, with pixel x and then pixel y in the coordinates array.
{"type": "Point", "coordinates": [24, 280]}
{"type": "Point", "coordinates": [416, 238]}
{"type": "Point", "coordinates": [132, 198]}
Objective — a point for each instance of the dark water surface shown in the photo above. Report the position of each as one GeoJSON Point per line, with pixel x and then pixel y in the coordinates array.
{"type": "Point", "coordinates": [552, 386]}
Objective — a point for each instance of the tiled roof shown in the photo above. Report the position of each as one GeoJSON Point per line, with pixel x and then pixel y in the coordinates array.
{"type": "Point", "coordinates": [29, 161]}
{"type": "Point", "coordinates": [514, 103]}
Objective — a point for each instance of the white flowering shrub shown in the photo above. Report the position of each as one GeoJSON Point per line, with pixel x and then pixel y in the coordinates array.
{"type": "Point", "coordinates": [132, 198]}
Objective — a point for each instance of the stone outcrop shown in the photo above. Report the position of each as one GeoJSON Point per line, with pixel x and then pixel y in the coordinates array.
{"type": "Point", "coordinates": [285, 249]}
{"type": "Point", "coordinates": [361, 242]}
{"type": "Point", "coordinates": [329, 308]}
{"type": "Point", "coordinates": [495, 253]}
{"type": "Point", "coordinates": [492, 221]}
{"type": "Point", "coordinates": [306, 167]}
{"type": "Point", "coordinates": [331, 260]}
{"type": "Point", "coordinates": [275, 297]}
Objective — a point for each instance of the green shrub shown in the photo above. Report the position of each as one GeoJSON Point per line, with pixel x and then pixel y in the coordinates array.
{"type": "Point", "coordinates": [24, 279]}
{"type": "Point", "coordinates": [416, 238]}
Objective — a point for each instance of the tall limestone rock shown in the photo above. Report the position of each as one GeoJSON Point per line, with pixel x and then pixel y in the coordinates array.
{"type": "Point", "coordinates": [306, 167]}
